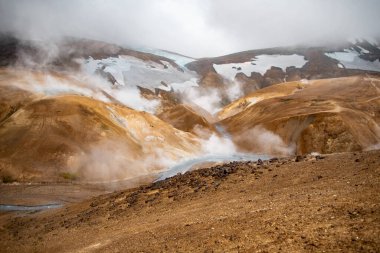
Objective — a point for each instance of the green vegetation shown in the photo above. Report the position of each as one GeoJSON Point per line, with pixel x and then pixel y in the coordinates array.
{"type": "Point", "coordinates": [69, 176]}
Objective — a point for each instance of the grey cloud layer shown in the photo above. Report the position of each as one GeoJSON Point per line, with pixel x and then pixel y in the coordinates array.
{"type": "Point", "coordinates": [193, 27]}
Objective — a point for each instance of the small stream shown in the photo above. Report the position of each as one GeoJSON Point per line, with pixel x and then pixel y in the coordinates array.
{"type": "Point", "coordinates": [28, 208]}
{"type": "Point", "coordinates": [181, 168]}
{"type": "Point", "coordinates": [188, 164]}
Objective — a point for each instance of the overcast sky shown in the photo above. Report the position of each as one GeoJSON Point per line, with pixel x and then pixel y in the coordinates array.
{"type": "Point", "coordinates": [194, 27]}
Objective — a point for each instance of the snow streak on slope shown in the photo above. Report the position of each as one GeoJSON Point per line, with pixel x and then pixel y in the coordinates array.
{"type": "Point", "coordinates": [260, 64]}
{"type": "Point", "coordinates": [350, 59]}
{"type": "Point", "coordinates": [86, 85]}
{"type": "Point", "coordinates": [370, 40]}
{"type": "Point", "coordinates": [131, 71]}
{"type": "Point", "coordinates": [181, 60]}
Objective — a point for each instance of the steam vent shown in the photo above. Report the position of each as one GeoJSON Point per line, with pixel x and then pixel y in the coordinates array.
{"type": "Point", "coordinates": [189, 126]}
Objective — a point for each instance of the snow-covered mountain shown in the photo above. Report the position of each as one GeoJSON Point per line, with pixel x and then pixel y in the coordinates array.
{"type": "Point", "coordinates": [81, 100]}
{"type": "Point", "coordinates": [260, 68]}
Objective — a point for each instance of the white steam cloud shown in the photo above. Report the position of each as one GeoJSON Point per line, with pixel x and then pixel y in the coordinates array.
{"type": "Point", "coordinates": [217, 145]}
{"type": "Point", "coordinates": [234, 91]}
{"type": "Point", "coordinates": [111, 160]}
{"type": "Point", "coordinates": [131, 97]}
{"type": "Point", "coordinates": [197, 28]}
{"type": "Point", "coordinates": [263, 141]}
{"type": "Point", "coordinates": [86, 85]}
{"type": "Point", "coordinates": [208, 99]}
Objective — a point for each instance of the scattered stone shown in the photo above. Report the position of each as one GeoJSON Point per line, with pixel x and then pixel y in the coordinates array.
{"type": "Point", "coordinates": [274, 159]}
{"type": "Point", "coordinates": [319, 157]}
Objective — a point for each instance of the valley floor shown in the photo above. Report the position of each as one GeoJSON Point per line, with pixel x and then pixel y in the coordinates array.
{"type": "Point", "coordinates": [328, 203]}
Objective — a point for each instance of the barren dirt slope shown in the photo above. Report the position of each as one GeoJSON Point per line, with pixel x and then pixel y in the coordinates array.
{"type": "Point", "coordinates": [326, 116]}
{"type": "Point", "coordinates": [50, 138]}
{"type": "Point", "coordinates": [302, 204]}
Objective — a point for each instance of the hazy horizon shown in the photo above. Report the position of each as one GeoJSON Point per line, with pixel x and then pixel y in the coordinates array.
{"type": "Point", "coordinates": [195, 28]}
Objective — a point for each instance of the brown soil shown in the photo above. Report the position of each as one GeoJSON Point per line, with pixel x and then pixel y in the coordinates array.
{"type": "Point", "coordinates": [70, 136]}
{"type": "Point", "coordinates": [325, 116]}
{"type": "Point", "coordinates": [47, 193]}
{"type": "Point", "coordinates": [278, 90]}
{"type": "Point", "coordinates": [186, 119]}
{"type": "Point", "coordinates": [301, 204]}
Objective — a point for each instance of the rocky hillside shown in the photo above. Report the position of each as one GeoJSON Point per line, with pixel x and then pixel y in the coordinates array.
{"type": "Point", "coordinates": [326, 116]}
{"type": "Point", "coordinates": [299, 204]}
{"type": "Point", "coordinates": [49, 138]}
{"type": "Point", "coordinates": [63, 104]}
{"type": "Point", "coordinates": [256, 69]}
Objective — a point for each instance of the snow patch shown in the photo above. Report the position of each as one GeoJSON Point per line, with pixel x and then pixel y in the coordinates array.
{"type": "Point", "coordinates": [131, 71]}
{"type": "Point", "coordinates": [260, 64]}
{"type": "Point", "coordinates": [128, 95]}
{"type": "Point", "coordinates": [362, 50]}
{"type": "Point", "coordinates": [181, 60]}
{"type": "Point", "coordinates": [193, 82]}
{"type": "Point", "coordinates": [350, 59]}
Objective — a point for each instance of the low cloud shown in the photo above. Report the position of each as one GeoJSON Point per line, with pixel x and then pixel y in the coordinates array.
{"type": "Point", "coordinates": [197, 28]}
